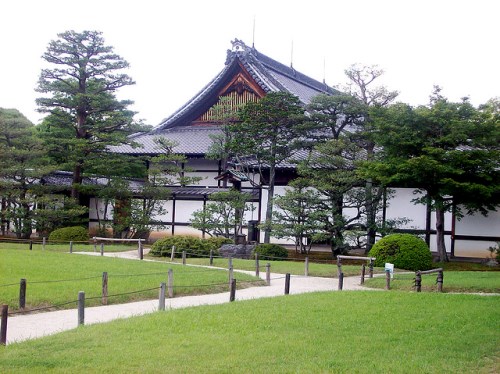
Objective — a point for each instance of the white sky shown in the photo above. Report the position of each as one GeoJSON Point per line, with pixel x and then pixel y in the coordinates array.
{"type": "Point", "coordinates": [176, 47]}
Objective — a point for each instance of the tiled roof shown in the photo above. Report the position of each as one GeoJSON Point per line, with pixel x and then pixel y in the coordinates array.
{"type": "Point", "coordinates": [190, 140]}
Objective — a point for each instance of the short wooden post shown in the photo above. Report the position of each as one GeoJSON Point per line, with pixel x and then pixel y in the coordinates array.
{"type": "Point", "coordinates": [418, 281]}
{"type": "Point", "coordinates": [306, 266]}
{"type": "Point", "coordinates": [387, 280]}
{"type": "Point", "coordinates": [172, 254]}
{"type": "Point", "coordinates": [363, 270]}
{"type": "Point", "coordinates": [22, 293]}
{"type": "Point", "coordinates": [102, 249]}
{"type": "Point", "coordinates": [141, 250]}
{"type": "Point", "coordinates": [287, 283]}
{"type": "Point", "coordinates": [81, 308]}
{"type": "Point", "coordinates": [31, 245]}
{"type": "Point", "coordinates": [268, 274]}
{"type": "Point", "coordinates": [211, 257]}
{"type": "Point", "coordinates": [3, 328]}
{"type": "Point", "coordinates": [339, 266]}
{"type": "Point", "coordinates": [231, 277]}
{"type": "Point", "coordinates": [95, 244]}
{"type": "Point", "coordinates": [161, 301]}
{"type": "Point", "coordinates": [70, 247]}
{"type": "Point", "coordinates": [105, 288]}
{"type": "Point", "coordinates": [257, 270]}
{"type": "Point", "coordinates": [170, 283]}
{"type": "Point", "coordinates": [232, 293]}
{"type": "Point", "coordinates": [371, 268]}
{"type": "Point", "coordinates": [44, 239]}
{"type": "Point", "coordinates": [341, 281]}
{"type": "Point", "coordinates": [183, 257]}
{"type": "Point", "coordinates": [440, 281]}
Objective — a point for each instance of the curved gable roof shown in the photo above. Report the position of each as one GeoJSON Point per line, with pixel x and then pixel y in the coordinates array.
{"type": "Point", "coordinates": [270, 75]}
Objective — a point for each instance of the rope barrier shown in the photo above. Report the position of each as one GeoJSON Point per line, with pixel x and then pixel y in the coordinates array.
{"type": "Point", "coordinates": [65, 280]}
{"type": "Point", "coordinates": [42, 308]}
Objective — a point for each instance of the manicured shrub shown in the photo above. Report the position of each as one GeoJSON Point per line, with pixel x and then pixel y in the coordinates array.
{"type": "Point", "coordinates": [194, 247]}
{"type": "Point", "coordinates": [217, 241]}
{"type": "Point", "coordinates": [405, 251]}
{"type": "Point", "coordinates": [66, 234]}
{"type": "Point", "coordinates": [271, 251]}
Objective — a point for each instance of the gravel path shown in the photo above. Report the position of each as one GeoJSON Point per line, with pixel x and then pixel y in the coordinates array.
{"type": "Point", "coordinates": [32, 326]}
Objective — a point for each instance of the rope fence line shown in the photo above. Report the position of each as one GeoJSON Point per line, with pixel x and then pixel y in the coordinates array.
{"type": "Point", "coordinates": [25, 311]}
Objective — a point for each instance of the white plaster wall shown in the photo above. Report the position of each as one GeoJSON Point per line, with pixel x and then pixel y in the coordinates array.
{"type": "Point", "coordinates": [479, 225]}
{"type": "Point", "coordinates": [400, 206]}
{"type": "Point", "coordinates": [99, 208]}
{"type": "Point", "coordinates": [469, 248]}
{"type": "Point", "coordinates": [184, 210]}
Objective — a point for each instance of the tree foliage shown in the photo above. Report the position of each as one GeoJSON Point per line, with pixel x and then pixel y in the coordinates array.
{"type": "Point", "coordinates": [447, 150]}
{"type": "Point", "coordinates": [223, 214]}
{"type": "Point", "coordinates": [270, 132]}
{"type": "Point", "coordinates": [79, 95]}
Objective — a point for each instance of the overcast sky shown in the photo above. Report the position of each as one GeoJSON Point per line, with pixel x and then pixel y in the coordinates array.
{"type": "Point", "coordinates": [176, 47]}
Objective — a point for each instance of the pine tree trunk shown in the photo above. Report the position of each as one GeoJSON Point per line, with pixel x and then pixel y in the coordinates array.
{"type": "Point", "coordinates": [441, 246]}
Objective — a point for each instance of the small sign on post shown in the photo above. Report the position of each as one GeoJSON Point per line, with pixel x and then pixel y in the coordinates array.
{"type": "Point", "coordinates": [389, 268]}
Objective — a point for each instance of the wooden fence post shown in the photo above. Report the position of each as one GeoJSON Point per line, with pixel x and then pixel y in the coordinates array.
{"type": "Point", "coordinates": [170, 283]}
{"type": "Point", "coordinates": [287, 283]}
{"type": "Point", "coordinates": [22, 293]}
{"type": "Point", "coordinates": [95, 244]}
{"type": "Point", "coordinates": [183, 257]}
{"type": "Point", "coordinates": [371, 269]}
{"type": "Point", "coordinates": [418, 281]}
{"type": "Point", "coordinates": [440, 280]}
{"type": "Point", "coordinates": [172, 254]}
{"type": "Point", "coordinates": [141, 250]}
{"type": "Point", "coordinates": [341, 281]}
{"type": "Point", "coordinates": [81, 308]}
{"type": "Point", "coordinates": [31, 245]}
{"type": "Point", "coordinates": [339, 266]}
{"type": "Point", "coordinates": [257, 270]}
{"type": "Point", "coordinates": [306, 266]}
{"type": "Point", "coordinates": [105, 288]}
{"type": "Point", "coordinates": [70, 247]}
{"type": "Point", "coordinates": [3, 328]}
{"type": "Point", "coordinates": [387, 280]}
{"type": "Point", "coordinates": [363, 270]}
{"type": "Point", "coordinates": [211, 257]}
{"type": "Point", "coordinates": [231, 274]}
{"type": "Point", "coordinates": [161, 302]}
{"type": "Point", "coordinates": [44, 241]}
{"type": "Point", "coordinates": [102, 249]}
{"type": "Point", "coordinates": [268, 274]}
{"type": "Point", "coordinates": [232, 293]}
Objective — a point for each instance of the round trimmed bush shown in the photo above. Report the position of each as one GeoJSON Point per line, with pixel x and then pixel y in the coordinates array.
{"type": "Point", "coordinates": [405, 251]}
{"type": "Point", "coordinates": [194, 247]}
{"type": "Point", "coordinates": [271, 251]}
{"type": "Point", "coordinates": [73, 233]}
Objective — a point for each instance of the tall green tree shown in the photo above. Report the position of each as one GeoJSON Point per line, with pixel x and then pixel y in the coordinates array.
{"type": "Point", "coordinates": [270, 132]}
{"type": "Point", "coordinates": [361, 85]}
{"type": "Point", "coordinates": [79, 88]}
{"type": "Point", "coordinates": [449, 151]}
{"type": "Point", "coordinates": [27, 202]}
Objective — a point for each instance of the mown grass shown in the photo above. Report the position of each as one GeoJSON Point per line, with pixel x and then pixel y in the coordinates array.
{"type": "Point", "coordinates": [453, 281]}
{"type": "Point", "coordinates": [327, 270]}
{"type": "Point", "coordinates": [55, 278]}
{"type": "Point", "coordinates": [339, 332]}
{"type": "Point", "coordinates": [64, 247]}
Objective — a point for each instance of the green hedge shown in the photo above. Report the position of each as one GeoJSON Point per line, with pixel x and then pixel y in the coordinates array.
{"type": "Point", "coordinates": [73, 233]}
{"type": "Point", "coordinates": [405, 251]}
{"type": "Point", "coordinates": [194, 247]}
{"type": "Point", "coordinates": [271, 251]}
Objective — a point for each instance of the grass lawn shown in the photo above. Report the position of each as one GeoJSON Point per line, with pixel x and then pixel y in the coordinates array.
{"type": "Point", "coordinates": [453, 281]}
{"type": "Point", "coordinates": [339, 332]}
{"type": "Point", "coordinates": [54, 278]}
{"type": "Point", "coordinates": [64, 247]}
{"type": "Point", "coordinates": [327, 270]}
